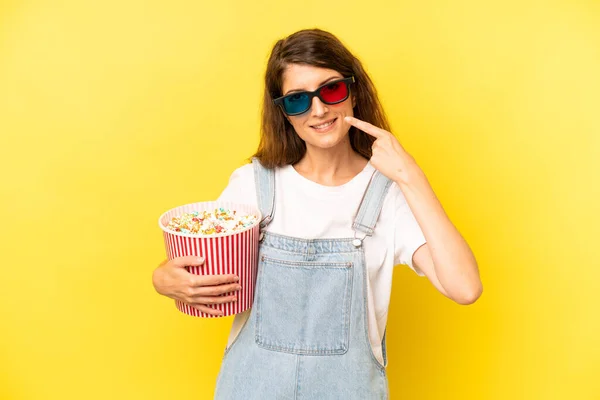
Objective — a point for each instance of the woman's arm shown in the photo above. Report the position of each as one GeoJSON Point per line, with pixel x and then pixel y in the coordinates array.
{"type": "Point", "coordinates": [446, 258]}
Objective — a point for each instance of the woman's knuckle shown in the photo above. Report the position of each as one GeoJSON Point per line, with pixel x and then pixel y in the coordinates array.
{"type": "Point", "coordinates": [191, 281]}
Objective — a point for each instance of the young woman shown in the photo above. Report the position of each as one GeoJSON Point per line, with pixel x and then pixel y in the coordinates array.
{"type": "Point", "coordinates": [343, 202]}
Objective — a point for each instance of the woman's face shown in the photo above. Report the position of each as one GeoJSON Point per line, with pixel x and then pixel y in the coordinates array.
{"type": "Point", "coordinates": [323, 125]}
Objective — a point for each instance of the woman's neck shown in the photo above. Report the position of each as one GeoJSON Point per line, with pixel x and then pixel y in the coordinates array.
{"type": "Point", "coordinates": [330, 167]}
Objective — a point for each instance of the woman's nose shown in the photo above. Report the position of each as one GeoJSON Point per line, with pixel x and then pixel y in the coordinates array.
{"type": "Point", "coordinates": [318, 107]}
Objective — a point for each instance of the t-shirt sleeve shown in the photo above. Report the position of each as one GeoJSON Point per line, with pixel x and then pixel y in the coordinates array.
{"type": "Point", "coordinates": [241, 187]}
{"type": "Point", "coordinates": [408, 236]}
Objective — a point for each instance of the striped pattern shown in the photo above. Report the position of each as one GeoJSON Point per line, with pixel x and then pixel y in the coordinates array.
{"type": "Point", "coordinates": [223, 254]}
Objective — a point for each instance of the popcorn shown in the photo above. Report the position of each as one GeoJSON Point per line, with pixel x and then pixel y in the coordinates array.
{"type": "Point", "coordinates": [221, 221]}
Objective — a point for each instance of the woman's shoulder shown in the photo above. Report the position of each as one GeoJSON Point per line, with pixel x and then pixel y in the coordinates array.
{"type": "Point", "coordinates": [244, 171]}
{"type": "Point", "coordinates": [396, 193]}
{"type": "Point", "coordinates": [247, 171]}
{"type": "Point", "coordinates": [240, 185]}
{"type": "Point", "coordinates": [394, 201]}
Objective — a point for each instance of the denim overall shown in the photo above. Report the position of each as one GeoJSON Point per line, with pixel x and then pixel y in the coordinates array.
{"type": "Point", "coordinates": [307, 333]}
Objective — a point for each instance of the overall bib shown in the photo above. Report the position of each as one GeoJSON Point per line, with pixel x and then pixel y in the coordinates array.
{"type": "Point", "coordinates": [307, 333]}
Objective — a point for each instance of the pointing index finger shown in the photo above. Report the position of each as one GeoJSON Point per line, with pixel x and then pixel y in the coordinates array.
{"type": "Point", "coordinates": [365, 127]}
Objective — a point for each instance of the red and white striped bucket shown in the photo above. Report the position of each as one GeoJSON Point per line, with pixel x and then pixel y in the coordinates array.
{"type": "Point", "coordinates": [234, 253]}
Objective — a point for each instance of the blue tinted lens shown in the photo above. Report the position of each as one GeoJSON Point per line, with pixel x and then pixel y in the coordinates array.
{"type": "Point", "coordinates": [296, 103]}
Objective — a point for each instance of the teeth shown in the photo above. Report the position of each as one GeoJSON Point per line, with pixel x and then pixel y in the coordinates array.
{"type": "Point", "coordinates": [323, 125]}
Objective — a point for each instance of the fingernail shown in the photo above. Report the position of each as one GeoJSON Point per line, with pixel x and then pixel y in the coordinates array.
{"type": "Point", "coordinates": [347, 119]}
{"type": "Point", "coordinates": [238, 287]}
{"type": "Point", "coordinates": [237, 278]}
{"type": "Point", "coordinates": [200, 259]}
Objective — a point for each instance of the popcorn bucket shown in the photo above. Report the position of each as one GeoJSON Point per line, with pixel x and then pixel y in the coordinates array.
{"type": "Point", "coordinates": [228, 253]}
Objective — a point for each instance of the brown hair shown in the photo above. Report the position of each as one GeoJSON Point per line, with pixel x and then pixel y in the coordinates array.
{"type": "Point", "coordinates": [279, 143]}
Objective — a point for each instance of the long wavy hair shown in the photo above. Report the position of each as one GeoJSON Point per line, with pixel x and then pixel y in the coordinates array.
{"type": "Point", "coordinates": [279, 143]}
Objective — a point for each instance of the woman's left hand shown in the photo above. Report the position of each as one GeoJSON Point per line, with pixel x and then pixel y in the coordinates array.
{"type": "Point", "coordinates": [389, 157]}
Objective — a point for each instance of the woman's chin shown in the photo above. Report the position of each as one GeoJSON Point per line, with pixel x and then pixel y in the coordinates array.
{"type": "Point", "coordinates": [325, 142]}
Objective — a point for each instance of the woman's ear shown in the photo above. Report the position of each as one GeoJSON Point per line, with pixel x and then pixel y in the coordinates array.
{"type": "Point", "coordinates": [353, 101]}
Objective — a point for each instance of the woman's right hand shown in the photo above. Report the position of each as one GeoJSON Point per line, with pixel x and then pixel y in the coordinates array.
{"type": "Point", "coordinates": [171, 279]}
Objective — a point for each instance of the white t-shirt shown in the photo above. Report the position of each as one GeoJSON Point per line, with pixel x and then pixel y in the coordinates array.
{"type": "Point", "coordinates": [308, 210]}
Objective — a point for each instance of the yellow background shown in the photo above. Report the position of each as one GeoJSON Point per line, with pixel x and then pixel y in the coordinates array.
{"type": "Point", "coordinates": [112, 112]}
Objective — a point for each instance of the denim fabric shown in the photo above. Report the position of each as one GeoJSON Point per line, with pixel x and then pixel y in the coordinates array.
{"type": "Point", "coordinates": [307, 334]}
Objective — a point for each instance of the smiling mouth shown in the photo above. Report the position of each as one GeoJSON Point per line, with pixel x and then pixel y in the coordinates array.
{"type": "Point", "coordinates": [324, 125]}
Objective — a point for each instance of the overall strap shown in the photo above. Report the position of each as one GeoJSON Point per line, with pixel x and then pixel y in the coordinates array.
{"type": "Point", "coordinates": [264, 179]}
{"type": "Point", "coordinates": [371, 204]}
